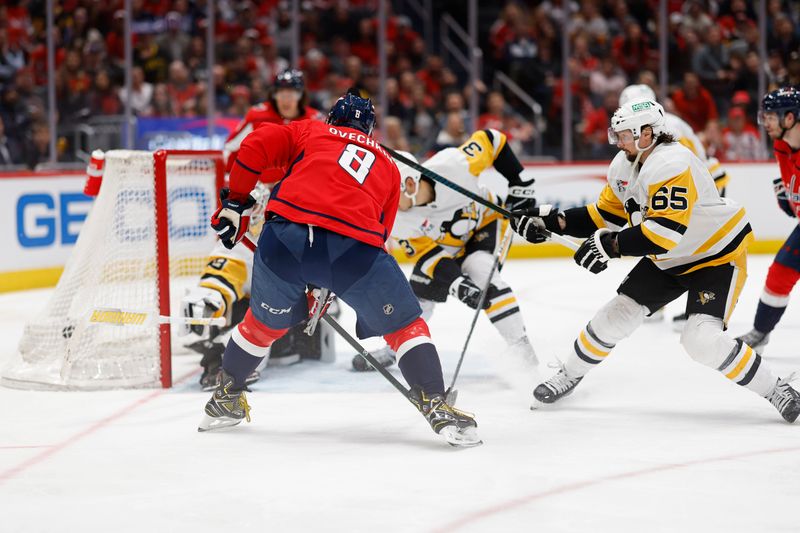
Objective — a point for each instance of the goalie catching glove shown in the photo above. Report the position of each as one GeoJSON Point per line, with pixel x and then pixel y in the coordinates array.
{"type": "Point", "coordinates": [533, 223]}
{"type": "Point", "coordinates": [594, 253]}
{"type": "Point", "coordinates": [465, 290]}
{"type": "Point", "coordinates": [201, 302]}
{"type": "Point", "coordinates": [232, 218]}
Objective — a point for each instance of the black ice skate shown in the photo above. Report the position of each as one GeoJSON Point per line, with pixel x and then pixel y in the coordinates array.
{"type": "Point", "coordinates": [755, 339]}
{"type": "Point", "coordinates": [554, 388]}
{"type": "Point", "coordinates": [227, 406]}
{"type": "Point", "coordinates": [785, 399]}
{"type": "Point", "coordinates": [457, 427]}
{"type": "Point", "coordinates": [385, 356]}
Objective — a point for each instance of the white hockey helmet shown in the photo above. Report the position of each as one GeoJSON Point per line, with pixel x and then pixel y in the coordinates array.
{"type": "Point", "coordinates": [636, 92]}
{"type": "Point", "coordinates": [407, 172]}
{"type": "Point", "coordinates": [634, 116]}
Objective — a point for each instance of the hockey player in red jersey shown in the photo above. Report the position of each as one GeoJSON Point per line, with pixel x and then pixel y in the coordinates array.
{"type": "Point", "coordinates": [780, 117]}
{"type": "Point", "coordinates": [329, 217]}
{"type": "Point", "coordinates": [287, 103]}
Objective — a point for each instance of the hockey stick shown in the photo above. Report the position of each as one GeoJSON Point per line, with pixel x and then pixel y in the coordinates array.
{"type": "Point", "coordinates": [131, 317]}
{"type": "Point", "coordinates": [452, 394]}
{"type": "Point", "coordinates": [352, 342]}
{"type": "Point", "coordinates": [428, 173]}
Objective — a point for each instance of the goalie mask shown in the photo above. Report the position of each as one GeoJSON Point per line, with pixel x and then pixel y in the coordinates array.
{"type": "Point", "coordinates": [635, 116]}
{"type": "Point", "coordinates": [636, 92]}
{"type": "Point", "coordinates": [408, 172]}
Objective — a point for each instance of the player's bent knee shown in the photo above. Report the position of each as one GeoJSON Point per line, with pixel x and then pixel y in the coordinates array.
{"type": "Point", "coordinates": [254, 336]}
{"type": "Point", "coordinates": [705, 341]}
{"type": "Point", "coordinates": [408, 337]}
{"type": "Point", "coordinates": [478, 265]}
{"type": "Point", "coordinates": [617, 319]}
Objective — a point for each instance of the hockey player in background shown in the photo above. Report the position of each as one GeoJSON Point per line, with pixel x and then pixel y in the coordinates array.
{"type": "Point", "coordinates": [328, 220]}
{"type": "Point", "coordinates": [224, 286]}
{"type": "Point", "coordinates": [780, 116]}
{"type": "Point", "coordinates": [684, 134]}
{"type": "Point", "coordinates": [689, 238]}
{"type": "Point", "coordinates": [452, 239]}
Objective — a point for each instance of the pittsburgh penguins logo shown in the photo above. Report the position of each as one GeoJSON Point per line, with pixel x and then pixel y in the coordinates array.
{"type": "Point", "coordinates": [705, 297]}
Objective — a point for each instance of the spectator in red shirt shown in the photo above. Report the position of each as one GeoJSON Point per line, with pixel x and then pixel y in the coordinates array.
{"type": "Point", "coordinates": [103, 98]}
{"type": "Point", "coordinates": [180, 87]}
{"type": "Point", "coordinates": [595, 127]}
{"type": "Point", "coordinates": [364, 46]}
{"type": "Point", "coordinates": [742, 141]}
{"type": "Point", "coordinates": [694, 103]}
{"type": "Point", "coordinates": [631, 50]}
{"type": "Point", "coordinates": [431, 75]}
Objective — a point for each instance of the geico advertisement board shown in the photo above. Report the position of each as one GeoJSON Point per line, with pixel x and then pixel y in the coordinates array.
{"type": "Point", "coordinates": [49, 212]}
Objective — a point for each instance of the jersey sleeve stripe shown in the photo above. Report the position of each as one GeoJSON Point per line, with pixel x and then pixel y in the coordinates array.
{"type": "Point", "coordinates": [721, 232]}
{"type": "Point", "coordinates": [660, 235]}
{"type": "Point", "coordinates": [615, 219]}
{"type": "Point", "coordinates": [670, 224]}
{"type": "Point", "coordinates": [595, 215]}
{"type": "Point", "coordinates": [238, 162]}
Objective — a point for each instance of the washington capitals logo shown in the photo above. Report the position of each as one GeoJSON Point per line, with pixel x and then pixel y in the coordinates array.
{"type": "Point", "coordinates": [705, 297]}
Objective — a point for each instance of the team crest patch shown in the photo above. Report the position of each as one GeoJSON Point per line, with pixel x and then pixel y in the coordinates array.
{"type": "Point", "coordinates": [622, 185]}
{"type": "Point", "coordinates": [388, 309]}
{"type": "Point", "coordinates": [705, 297]}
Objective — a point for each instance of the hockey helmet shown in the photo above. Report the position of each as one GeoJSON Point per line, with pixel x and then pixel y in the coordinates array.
{"type": "Point", "coordinates": [636, 92]}
{"type": "Point", "coordinates": [290, 79]}
{"type": "Point", "coordinates": [407, 172]}
{"type": "Point", "coordinates": [352, 111]}
{"type": "Point", "coordinates": [636, 115]}
{"type": "Point", "coordinates": [780, 101]}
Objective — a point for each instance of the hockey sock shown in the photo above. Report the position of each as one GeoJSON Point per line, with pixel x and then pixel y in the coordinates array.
{"type": "Point", "coordinates": [767, 316]}
{"type": "Point", "coordinates": [238, 363]}
{"type": "Point", "coordinates": [745, 367]}
{"type": "Point", "coordinates": [421, 368]}
{"type": "Point", "coordinates": [249, 343]}
{"type": "Point", "coordinates": [503, 313]}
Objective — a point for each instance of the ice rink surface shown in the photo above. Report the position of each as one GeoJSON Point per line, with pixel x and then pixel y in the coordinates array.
{"type": "Point", "coordinates": [649, 441]}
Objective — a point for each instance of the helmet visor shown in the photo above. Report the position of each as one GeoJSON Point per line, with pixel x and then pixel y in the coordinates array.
{"type": "Point", "coordinates": [615, 137]}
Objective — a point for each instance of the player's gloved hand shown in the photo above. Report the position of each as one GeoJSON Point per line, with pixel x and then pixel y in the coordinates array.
{"type": "Point", "coordinates": [595, 251]}
{"type": "Point", "coordinates": [232, 218]}
{"type": "Point", "coordinates": [520, 195]}
{"type": "Point", "coordinates": [201, 302]}
{"type": "Point", "coordinates": [531, 223]}
{"type": "Point", "coordinates": [782, 196]}
{"type": "Point", "coordinates": [465, 290]}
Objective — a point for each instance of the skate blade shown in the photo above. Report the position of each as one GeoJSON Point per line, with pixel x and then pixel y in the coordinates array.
{"type": "Point", "coordinates": [210, 423]}
{"type": "Point", "coordinates": [465, 438]}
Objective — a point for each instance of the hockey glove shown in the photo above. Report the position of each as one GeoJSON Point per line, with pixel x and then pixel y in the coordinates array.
{"type": "Point", "coordinates": [782, 196]}
{"type": "Point", "coordinates": [466, 291]}
{"type": "Point", "coordinates": [530, 223]}
{"type": "Point", "coordinates": [201, 302]}
{"type": "Point", "coordinates": [232, 218]}
{"type": "Point", "coordinates": [520, 195]}
{"type": "Point", "coordinates": [595, 251]}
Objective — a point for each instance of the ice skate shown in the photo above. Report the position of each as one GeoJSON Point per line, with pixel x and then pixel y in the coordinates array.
{"type": "Point", "coordinates": [227, 406]}
{"type": "Point", "coordinates": [785, 399]}
{"type": "Point", "coordinates": [211, 379]}
{"type": "Point", "coordinates": [555, 388]}
{"type": "Point", "coordinates": [755, 339]}
{"type": "Point", "coordinates": [457, 427]}
{"type": "Point", "coordinates": [385, 356]}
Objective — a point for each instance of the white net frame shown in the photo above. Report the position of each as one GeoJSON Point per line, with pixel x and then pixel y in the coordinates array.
{"type": "Point", "coordinates": [146, 238]}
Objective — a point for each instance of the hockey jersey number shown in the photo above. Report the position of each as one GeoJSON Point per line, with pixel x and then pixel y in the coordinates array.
{"type": "Point", "coordinates": [672, 197]}
{"type": "Point", "coordinates": [357, 161]}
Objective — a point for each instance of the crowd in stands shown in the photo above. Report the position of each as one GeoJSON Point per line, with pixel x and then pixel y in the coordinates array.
{"type": "Point", "coordinates": [713, 65]}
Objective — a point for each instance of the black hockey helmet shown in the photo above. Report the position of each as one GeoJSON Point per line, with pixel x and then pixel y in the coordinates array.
{"type": "Point", "coordinates": [354, 112]}
{"type": "Point", "coordinates": [780, 101]}
{"type": "Point", "coordinates": [290, 79]}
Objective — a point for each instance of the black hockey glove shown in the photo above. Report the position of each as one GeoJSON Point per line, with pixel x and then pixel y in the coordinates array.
{"type": "Point", "coordinates": [595, 251]}
{"type": "Point", "coordinates": [232, 218]}
{"type": "Point", "coordinates": [520, 195]}
{"type": "Point", "coordinates": [530, 223]}
{"type": "Point", "coordinates": [466, 291]}
{"type": "Point", "coordinates": [782, 196]}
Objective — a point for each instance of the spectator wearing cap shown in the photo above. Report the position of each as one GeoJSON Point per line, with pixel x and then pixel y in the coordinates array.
{"type": "Point", "coordinates": [694, 103]}
{"type": "Point", "coordinates": [741, 140]}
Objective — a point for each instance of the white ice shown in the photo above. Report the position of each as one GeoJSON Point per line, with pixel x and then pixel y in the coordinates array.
{"type": "Point", "coordinates": [650, 441]}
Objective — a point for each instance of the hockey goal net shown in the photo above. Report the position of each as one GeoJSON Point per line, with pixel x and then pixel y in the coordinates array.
{"type": "Point", "coordinates": [146, 238]}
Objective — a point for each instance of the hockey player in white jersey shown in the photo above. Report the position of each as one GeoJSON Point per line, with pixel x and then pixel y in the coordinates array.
{"type": "Point", "coordinates": [660, 204]}
{"type": "Point", "coordinates": [685, 135]}
{"type": "Point", "coordinates": [452, 239]}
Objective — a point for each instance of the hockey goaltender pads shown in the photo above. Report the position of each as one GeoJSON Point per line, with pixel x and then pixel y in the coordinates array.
{"type": "Point", "coordinates": [145, 240]}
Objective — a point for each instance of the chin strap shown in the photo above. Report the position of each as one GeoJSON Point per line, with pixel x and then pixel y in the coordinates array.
{"type": "Point", "coordinates": [412, 197]}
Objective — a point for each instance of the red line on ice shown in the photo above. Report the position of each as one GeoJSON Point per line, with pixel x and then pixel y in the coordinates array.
{"type": "Point", "coordinates": [100, 424]}
{"type": "Point", "coordinates": [509, 505]}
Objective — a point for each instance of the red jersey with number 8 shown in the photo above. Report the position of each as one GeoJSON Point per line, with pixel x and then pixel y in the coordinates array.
{"type": "Point", "coordinates": [789, 163]}
{"type": "Point", "coordinates": [338, 178]}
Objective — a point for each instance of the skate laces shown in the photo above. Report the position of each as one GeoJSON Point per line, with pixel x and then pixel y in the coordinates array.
{"type": "Point", "coordinates": [783, 393]}
{"type": "Point", "coordinates": [240, 401]}
{"type": "Point", "coordinates": [560, 382]}
{"type": "Point", "coordinates": [245, 406]}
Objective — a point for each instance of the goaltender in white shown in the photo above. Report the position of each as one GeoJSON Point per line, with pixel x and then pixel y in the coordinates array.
{"type": "Point", "coordinates": [689, 238]}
